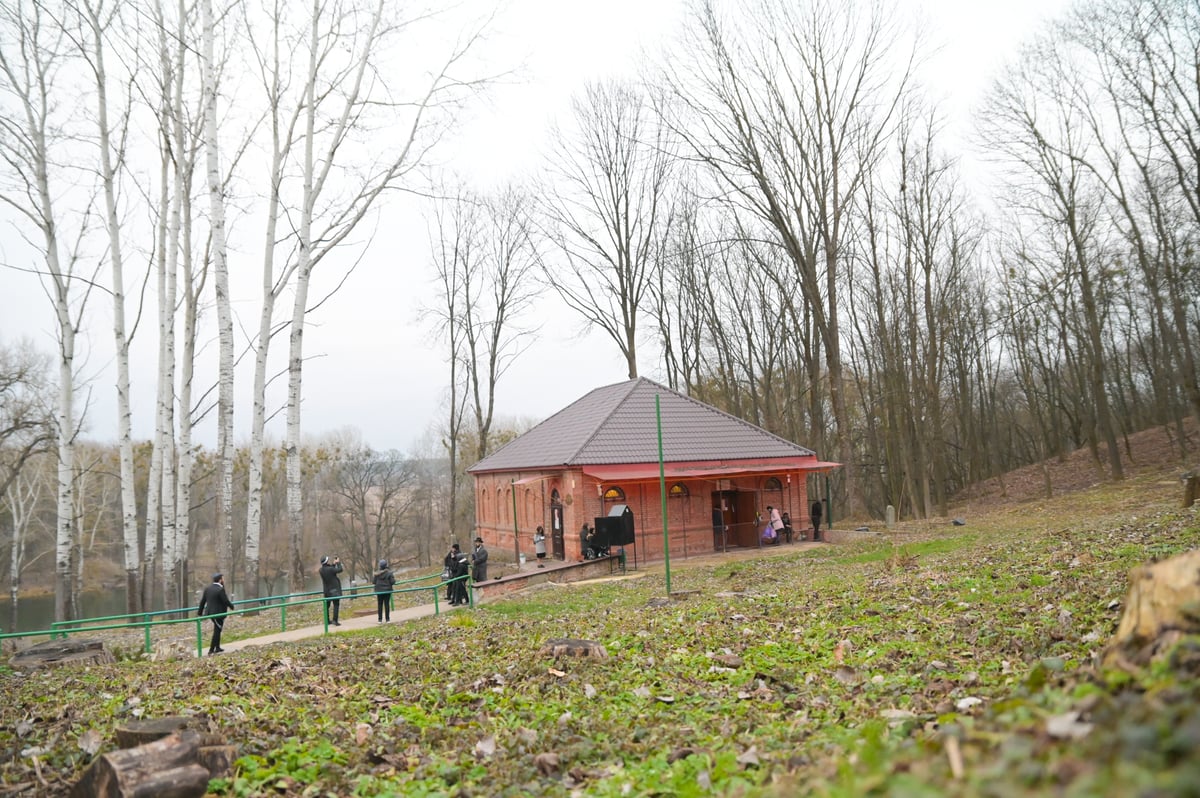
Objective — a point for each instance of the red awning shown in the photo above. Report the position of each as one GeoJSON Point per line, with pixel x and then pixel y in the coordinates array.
{"type": "Point", "coordinates": [630, 472]}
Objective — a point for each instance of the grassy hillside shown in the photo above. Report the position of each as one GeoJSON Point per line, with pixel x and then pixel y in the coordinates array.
{"type": "Point", "coordinates": [938, 660]}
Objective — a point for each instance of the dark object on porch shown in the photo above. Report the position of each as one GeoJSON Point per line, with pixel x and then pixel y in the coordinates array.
{"type": "Point", "coordinates": [614, 529]}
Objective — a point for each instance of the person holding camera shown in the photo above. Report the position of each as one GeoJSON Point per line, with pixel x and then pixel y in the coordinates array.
{"type": "Point", "coordinates": [331, 584]}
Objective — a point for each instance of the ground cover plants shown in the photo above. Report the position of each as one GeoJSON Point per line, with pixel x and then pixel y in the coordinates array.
{"type": "Point", "coordinates": [934, 660]}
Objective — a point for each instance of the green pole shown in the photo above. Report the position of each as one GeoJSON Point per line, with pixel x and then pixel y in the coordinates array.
{"type": "Point", "coordinates": [512, 485]}
{"type": "Point", "coordinates": [662, 489]}
{"type": "Point", "coordinates": [828, 504]}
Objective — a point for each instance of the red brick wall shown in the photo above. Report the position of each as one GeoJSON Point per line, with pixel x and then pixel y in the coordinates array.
{"type": "Point", "coordinates": [689, 518]}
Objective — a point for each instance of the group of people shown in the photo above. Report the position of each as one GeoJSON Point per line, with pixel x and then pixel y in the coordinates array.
{"type": "Point", "coordinates": [383, 580]}
{"type": "Point", "coordinates": [457, 564]}
{"type": "Point", "coordinates": [780, 526]}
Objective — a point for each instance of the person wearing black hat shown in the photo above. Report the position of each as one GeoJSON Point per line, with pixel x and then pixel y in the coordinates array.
{"type": "Point", "coordinates": [384, 581]}
{"type": "Point", "coordinates": [214, 603]}
{"type": "Point", "coordinates": [331, 583]}
{"type": "Point", "coordinates": [479, 558]}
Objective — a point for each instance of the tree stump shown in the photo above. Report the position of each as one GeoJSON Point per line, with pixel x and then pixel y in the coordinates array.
{"type": "Point", "coordinates": [567, 647]}
{"type": "Point", "coordinates": [166, 768]}
{"type": "Point", "coordinates": [53, 653]}
{"type": "Point", "coordinates": [212, 752]}
{"type": "Point", "coordinates": [1163, 605]}
{"type": "Point", "coordinates": [1191, 488]}
{"type": "Point", "coordinates": [147, 730]}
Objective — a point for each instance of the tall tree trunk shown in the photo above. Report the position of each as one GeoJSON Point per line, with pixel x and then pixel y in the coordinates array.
{"type": "Point", "coordinates": [225, 449]}
{"type": "Point", "coordinates": [108, 178]}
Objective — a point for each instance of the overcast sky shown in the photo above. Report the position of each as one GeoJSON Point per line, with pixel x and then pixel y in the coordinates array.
{"type": "Point", "coordinates": [373, 365]}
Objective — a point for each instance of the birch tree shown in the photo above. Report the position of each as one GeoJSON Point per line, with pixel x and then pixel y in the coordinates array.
{"type": "Point", "coordinates": [34, 144]}
{"type": "Point", "coordinates": [343, 97]}
{"type": "Point", "coordinates": [22, 494]}
{"type": "Point", "coordinates": [220, 269]}
{"type": "Point", "coordinates": [96, 21]}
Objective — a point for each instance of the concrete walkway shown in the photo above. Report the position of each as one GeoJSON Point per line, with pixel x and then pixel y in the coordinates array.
{"type": "Point", "coordinates": [350, 622]}
{"type": "Point", "coordinates": [366, 619]}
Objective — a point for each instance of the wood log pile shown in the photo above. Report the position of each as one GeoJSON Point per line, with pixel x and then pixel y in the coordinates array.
{"type": "Point", "coordinates": [171, 757]}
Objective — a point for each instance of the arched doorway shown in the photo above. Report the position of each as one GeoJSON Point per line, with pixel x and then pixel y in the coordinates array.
{"type": "Point", "coordinates": [556, 526]}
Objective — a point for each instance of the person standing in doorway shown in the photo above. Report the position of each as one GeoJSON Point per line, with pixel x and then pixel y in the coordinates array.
{"type": "Point", "coordinates": [331, 584]}
{"type": "Point", "coordinates": [479, 559]}
{"type": "Point", "coordinates": [539, 546]}
{"type": "Point", "coordinates": [384, 581]}
{"type": "Point", "coordinates": [214, 602]}
{"type": "Point", "coordinates": [776, 522]}
{"type": "Point", "coordinates": [816, 519]}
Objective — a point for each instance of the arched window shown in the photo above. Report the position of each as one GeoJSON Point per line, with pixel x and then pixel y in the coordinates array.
{"type": "Point", "coordinates": [678, 491]}
{"type": "Point", "coordinates": [614, 494]}
{"type": "Point", "coordinates": [773, 483]}
{"type": "Point", "coordinates": [554, 497]}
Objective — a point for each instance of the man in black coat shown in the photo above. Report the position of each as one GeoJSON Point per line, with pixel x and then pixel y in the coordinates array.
{"type": "Point", "coordinates": [461, 569]}
{"type": "Point", "coordinates": [479, 559]}
{"type": "Point", "coordinates": [331, 583]}
{"type": "Point", "coordinates": [214, 603]}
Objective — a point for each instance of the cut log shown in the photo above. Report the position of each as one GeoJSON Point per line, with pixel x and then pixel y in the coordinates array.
{"type": "Point", "coordinates": [62, 652]}
{"type": "Point", "coordinates": [1163, 604]}
{"type": "Point", "coordinates": [568, 647]}
{"type": "Point", "coordinates": [147, 730]}
{"type": "Point", "coordinates": [166, 768]}
{"type": "Point", "coordinates": [217, 760]}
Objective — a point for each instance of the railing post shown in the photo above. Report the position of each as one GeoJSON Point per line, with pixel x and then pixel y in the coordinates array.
{"type": "Point", "coordinates": [283, 617]}
{"type": "Point", "coordinates": [146, 629]}
{"type": "Point", "coordinates": [199, 637]}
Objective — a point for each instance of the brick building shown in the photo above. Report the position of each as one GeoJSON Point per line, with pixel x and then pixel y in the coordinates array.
{"type": "Point", "coordinates": [602, 452]}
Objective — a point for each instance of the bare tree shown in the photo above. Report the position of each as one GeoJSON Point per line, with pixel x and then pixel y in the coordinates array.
{"type": "Point", "coordinates": [1043, 134]}
{"type": "Point", "coordinates": [609, 210]}
{"type": "Point", "coordinates": [342, 97]}
{"type": "Point", "coordinates": [21, 494]}
{"type": "Point", "coordinates": [34, 140]}
{"type": "Point", "coordinates": [789, 106]}
{"type": "Point", "coordinates": [220, 266]}
{"type": "Point", "coordinates": [26, 409]}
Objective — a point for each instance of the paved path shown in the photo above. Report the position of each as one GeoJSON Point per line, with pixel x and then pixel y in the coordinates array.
{"type": "Point", "coordinates": [349, 622]}
{"type": "Point", "coordinates": [367, 619]}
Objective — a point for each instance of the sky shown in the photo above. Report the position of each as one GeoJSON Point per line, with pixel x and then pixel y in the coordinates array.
{"type": "Point", "coordinates": [373, 365]}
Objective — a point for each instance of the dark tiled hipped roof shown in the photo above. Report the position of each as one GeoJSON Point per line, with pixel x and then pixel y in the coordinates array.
{"type": "Point", "coordinates": [616, 424]}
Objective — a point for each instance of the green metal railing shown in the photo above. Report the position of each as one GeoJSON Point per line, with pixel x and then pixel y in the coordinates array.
{"type": "Point", "coordinates": [149, 620]}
